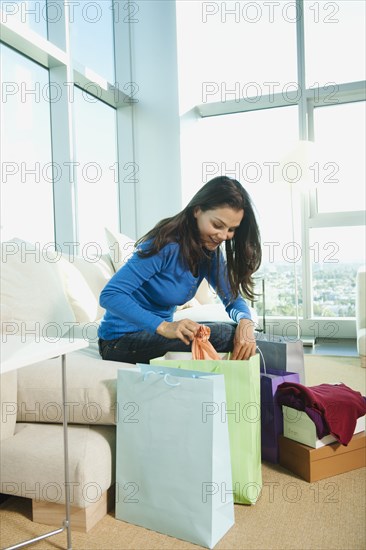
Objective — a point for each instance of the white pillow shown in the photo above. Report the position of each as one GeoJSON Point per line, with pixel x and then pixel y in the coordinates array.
{"type": "Point", "coordinates": [32, 292]}
{"type": "Point", "coordinates": [97, 275]}
{"type": "Point", "coordinates": [80, 295]}
{"type": "Point", "coordinates": [121, 247]}
{"type": "Point", "coordinates": [206, 295]}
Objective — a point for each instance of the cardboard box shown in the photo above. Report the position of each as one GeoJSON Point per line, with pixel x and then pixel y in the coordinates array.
{"type": "Point", "coordinates": [297, 425]}
{"type": "Point", "coordinates": [330, 460]}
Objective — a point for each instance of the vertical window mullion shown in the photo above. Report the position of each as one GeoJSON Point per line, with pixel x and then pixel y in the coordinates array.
{"type": "Point", "coordinates": [300, 38]}
{"type": "Point", "coordinates": [62, 136]}
{"type": "Point", "coordinates": [126, 160]}
{"type": "Point", "coordinates": [303, 135]}
{"type": "Point", "coordinates": [64, 174]}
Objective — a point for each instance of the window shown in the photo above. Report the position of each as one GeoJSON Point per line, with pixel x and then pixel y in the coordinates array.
{"type": "Point", "coordinates": [335, 42]}
{"type": "Point", "coordinates": [246, 146]}
{"type": "Point", "coordinates": [59, 119]}
{"type": "Point", "coordinates": [97, 174]}
{"type": "Point", "coordinates": [340, 135]}
{"type": "Point", "coordinates": [234, 134]}
{"type": "Point", "coordinates": [27, 178]}
{"type": "Point", "coordinates": [91, 30]}
{"type": "Point", "coordinates": [337, 225]}
{"type": "Point", "coordinates": [30, 13]}
{"type": "Point", "coordinates": [336, 254]}
{"type": "Point", "coordinates": [227, 56]}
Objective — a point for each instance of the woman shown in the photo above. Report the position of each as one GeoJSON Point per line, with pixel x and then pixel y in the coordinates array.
{"type": "Point", "coordinates": [166, 269]}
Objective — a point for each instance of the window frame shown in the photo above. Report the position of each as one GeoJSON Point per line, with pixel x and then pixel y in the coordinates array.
{"type": "Point", "coordinates": [54, 53]}
{"type": "Point", "coordinates": [307, 101]}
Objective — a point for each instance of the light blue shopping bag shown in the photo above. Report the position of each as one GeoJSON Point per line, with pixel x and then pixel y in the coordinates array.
{"type": "Point", "coordinates": [173, 469]}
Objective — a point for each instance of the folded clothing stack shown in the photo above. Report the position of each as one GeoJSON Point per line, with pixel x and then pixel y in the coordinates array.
{"type": "Point", "coordinates": [319, 423]}
{"type": "Point", "coordinates": [334, 408]}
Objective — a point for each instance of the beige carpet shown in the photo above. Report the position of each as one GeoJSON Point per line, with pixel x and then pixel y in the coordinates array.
{"type": "Point", "coordinates": [290, 514]}
{"type": "Point", "coordinates": [319, 369]}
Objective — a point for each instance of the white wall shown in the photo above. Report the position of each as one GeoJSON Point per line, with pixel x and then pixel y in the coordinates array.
{"type": "Point", "coordinates": [155, 119]}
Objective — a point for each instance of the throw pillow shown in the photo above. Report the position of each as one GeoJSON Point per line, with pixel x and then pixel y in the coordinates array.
{"type": "Point", "coordinates": [97, 275]}
{"type": "Point", "coordinates": [120, 246]}
{"type": "Point", "coordinates": [206, 295]}
{"type": "Point", "coordinates": [32, 292]}
{"type": "Point", "coordinates": [79, 294]}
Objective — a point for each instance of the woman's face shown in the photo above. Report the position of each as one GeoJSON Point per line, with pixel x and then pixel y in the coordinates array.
{"type": "Point", "coordinates": [217, 225]}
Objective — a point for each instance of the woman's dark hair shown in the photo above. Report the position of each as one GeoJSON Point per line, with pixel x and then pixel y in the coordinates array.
{"type": "Point", "coordinates": [243, 251]}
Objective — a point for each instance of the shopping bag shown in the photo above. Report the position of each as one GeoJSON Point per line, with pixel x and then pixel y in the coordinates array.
{"type": "Point", "coordinates": [242, 414]}
{"type": "Point", "coordinates": [271, 411]}
{"type": "Point", "coordinates": [173, 469]}
{"type": "Point", "coordinates": [282, 354]}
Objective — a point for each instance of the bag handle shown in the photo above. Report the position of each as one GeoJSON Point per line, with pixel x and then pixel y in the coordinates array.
{"type": "Point", "coordinates": [170, 383]}
{"type": "Point", "coordinates": [166, 377]}
{"type": "Point", "coordinates": [264, 363]}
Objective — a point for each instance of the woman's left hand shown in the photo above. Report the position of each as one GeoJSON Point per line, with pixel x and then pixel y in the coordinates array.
{"type": "Point", "coordinates": [244, 341]}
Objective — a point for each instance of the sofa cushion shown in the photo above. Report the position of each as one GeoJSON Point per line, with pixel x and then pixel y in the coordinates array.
{"type": "Point", "coordinates": [32, 463]}
{"type": "Point", "coordinates": [8, 403]}
{"type": "Point", "coordinates": [121, 247]}
{"type": "Point", "coordinates": [209, 313]}
{"type": "Point", "coordinates": [32, 292]}
{"type": "Point", "coordinates": [191, 303]}
{"type": "Point", "coordinates": [91, 390]}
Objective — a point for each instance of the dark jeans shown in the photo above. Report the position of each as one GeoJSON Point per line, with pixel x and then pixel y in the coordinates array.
{"type": "Point", "coordinates": [140, 347]}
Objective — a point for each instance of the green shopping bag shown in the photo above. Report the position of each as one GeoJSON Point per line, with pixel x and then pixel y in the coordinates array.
{"type": "Point", "coordinates": [241, 412]}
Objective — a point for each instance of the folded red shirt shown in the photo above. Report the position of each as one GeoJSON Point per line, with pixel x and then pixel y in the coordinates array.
{"type": "Point", "coordinates": [339, 405]}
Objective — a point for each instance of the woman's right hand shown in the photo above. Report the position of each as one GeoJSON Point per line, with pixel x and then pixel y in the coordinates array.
{"type": "Point", "coordinates": [185, 330]}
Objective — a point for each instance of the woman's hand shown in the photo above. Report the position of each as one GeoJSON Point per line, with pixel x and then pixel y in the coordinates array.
{"type": "Point", "coordinates": [185, 330]}
{"type": "Point", "coordinates": [244, 341]}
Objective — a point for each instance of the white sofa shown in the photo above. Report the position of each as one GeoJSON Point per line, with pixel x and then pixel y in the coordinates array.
{"type": "Point", "coordinates": [46, 294]}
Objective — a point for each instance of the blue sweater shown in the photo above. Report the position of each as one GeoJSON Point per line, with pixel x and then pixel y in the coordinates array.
{"type": "Point", "coordinates": [146, 291]}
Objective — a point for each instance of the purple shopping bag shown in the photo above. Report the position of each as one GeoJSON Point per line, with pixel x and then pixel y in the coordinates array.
{"type": "Point", "coordinates": [271, 411]}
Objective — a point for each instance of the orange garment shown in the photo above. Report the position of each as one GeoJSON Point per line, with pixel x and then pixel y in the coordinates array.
{"type": "Point", "coordinates": [201, 347]}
